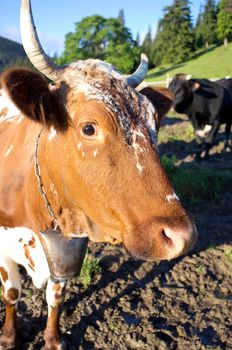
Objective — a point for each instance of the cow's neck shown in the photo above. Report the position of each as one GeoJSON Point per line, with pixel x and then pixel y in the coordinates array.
{"type": "Point", "coordinates": [57, 207]}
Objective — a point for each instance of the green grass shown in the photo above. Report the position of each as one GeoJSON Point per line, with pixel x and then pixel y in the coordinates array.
{"type": "Point", "coordinates": [115, 319]}
{"type": "Point", "coordinates": [214, 62]}
{"type": "Point", "coordinates": [197, 184]}
{"type": "Point", "coordinates": [228, 254]}
{"type": "Point", "coordinates": [201, 269]}
{"type": "Point", "coordinates": [90, 268]}
{"type": "Point", "coordinates": [176, 133]}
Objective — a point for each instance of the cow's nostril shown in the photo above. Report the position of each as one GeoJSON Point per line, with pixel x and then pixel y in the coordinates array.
{"type": "Point", "coordinates": [166, 239]}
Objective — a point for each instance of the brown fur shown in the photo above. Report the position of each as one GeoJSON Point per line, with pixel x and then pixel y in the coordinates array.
{"type": "Point", "coordinates": [9, 333]}
{"type": "Point", "coordinates": [12, 294]}
{"type": "Point", "coordinates": [3, 112]}
{"type": "Point", "coordinates": [28, 257]}
{"type": "Point", "coordinates": [51, 334]}
{"type": "Point", "coordinates": [30, 93]}
{"type": "Point", "coordinates": [4, 274]}
{"type": "Point", "coordinates": [92, 193]}
{"type": "Point", "coordinates": [103, 193]}
{"type": "Point", "coordinates": [161, 97]}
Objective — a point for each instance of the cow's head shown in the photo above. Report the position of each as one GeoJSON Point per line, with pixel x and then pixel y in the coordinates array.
{"type": "Point", "coordinates": [99, 142]}
{"type": "Point", "coordinates": [182, 86]}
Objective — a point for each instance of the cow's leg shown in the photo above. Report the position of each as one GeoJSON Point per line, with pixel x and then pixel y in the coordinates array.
{"type": "Point", "coordinates": [11, 292]}
{"type": "Point", "coordinates": [54, 296]}
{"type": "Point", "coordinates": [210, 138]}
{"type": "Point", "coordinates": [227, 136]}
{"type": "Point", "coordinates": [199, 141]}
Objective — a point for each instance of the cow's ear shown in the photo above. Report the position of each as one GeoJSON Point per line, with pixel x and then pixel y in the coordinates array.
{"type": "Point", "coordinates": [162, 99]}
{"type": "Point", "coordinates": [31, 94]}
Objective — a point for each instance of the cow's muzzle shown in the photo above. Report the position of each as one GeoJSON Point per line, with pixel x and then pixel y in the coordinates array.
{"type": "Point", "coordinates": [161, 238]}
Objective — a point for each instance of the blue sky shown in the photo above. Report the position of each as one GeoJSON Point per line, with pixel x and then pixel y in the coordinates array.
{"type": "Point", "coordinates": [55, 18]}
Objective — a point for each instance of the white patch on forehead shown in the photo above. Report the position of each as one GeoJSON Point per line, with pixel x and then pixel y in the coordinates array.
{"type": "Point", "coordinates": [111, 88]}
{"type": "Point", "coordinates": [12, 246]}
{"type": "Point", "coordinates": [92, 87]}
{"type": "Point", "coordinates": [204, 132]}
{"type": "Point", "coordinates": [172, 197]}
{"type": "Point", "coordinates": [150, 121]}
{"type": "Point", "coordinates": [136, 136]}
{"type": "Point", "coordinates": [87, 89]}
{"type": "Point", "coordinates": [75, 68]}
{"type": "Point", "coordinates": [8, 151]}
{"type": "Point", "coordinates": [52, 134]}
{"type": "Point", "coordinates": [139, 167]}
{"type": "Point", "coordinates": [12, 110]}
{"type": "Point", "coordinates": [136, 133]}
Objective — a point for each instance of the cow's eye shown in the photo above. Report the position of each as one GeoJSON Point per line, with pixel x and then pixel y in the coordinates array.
{"type": "Point", "coordinates": [88, 129]}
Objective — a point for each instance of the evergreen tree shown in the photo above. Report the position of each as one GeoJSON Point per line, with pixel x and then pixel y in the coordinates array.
{"type": "Point", "coordinates": [147, 43]}
{"type": "Point", "coordinates": [20, 62]}
{"type": "Point", "coordinates": [121, 16]}
{"type": "Point", "coordinates": [224, 21]}
{"type": "Point", "coordinates": [199, 33]}
{"type": "Point", "coordinates": [174, 41]}
{"type": "Point", "coordinates": [138, 39]}
{"type": "Point", "coordinates": [209, 23]}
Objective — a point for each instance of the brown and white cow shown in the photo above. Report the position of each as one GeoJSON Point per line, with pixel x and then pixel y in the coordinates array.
{"type": "Point", "coordinates": [89, 142]}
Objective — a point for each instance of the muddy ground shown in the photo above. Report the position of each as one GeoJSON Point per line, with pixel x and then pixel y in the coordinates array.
{"type": "Point", "coordinates": [183, 304]}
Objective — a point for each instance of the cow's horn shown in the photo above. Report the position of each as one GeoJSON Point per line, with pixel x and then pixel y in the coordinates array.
{"type": "Point", "coordinates": [139, 75]}
{"type": "Point", "coordinates": [32, 44]}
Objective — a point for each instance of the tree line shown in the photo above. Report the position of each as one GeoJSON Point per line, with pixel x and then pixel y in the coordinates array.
{"type": "Point", "coordinates": [177, 39]}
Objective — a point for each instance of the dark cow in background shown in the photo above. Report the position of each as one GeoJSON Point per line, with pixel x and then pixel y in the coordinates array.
{"type": "Point", "coordinates": [208, 104]}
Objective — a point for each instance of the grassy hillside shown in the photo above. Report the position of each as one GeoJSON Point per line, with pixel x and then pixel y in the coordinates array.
{"type": "Point", "coordinates": [10, 53]}
{"type": "Point", "coordinates": [215, 62]}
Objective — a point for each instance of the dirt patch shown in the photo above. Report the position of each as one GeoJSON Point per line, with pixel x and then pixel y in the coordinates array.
{"type": "Point", "coordinates": [182, 304]}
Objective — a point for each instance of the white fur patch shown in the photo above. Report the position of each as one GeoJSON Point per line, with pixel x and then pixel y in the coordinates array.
{"type": "Point", "coordinates": [204, 132]}
{"type": "Point", "coordinates": [15, 246]}
{"type": "Point", "coordinates": [79, 146]}
{"type": "Point", "coordinates": [172, 197]}
{"type": "Point", "coordinates": [54, 191]}
{"type": "Point", "coordinates": [138, 150]}
{"type": "Point", "coordinates": [74, 72]}
{"type": "Point", "coordinates": [5, 102]}
{"type": "Point", "coordinates": [52, 134]}
{"type": "Point", "coordinates": [53, 292]}
{"type": "Point", "coordinates": [95, 152]}
{"type": "Point", "coordinates": [8, 151]}
{"type": "Point", "coordinates": [13, 279]}
{"type": "Point", "coordinates": [20, 119]}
